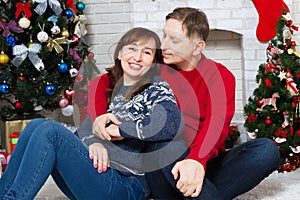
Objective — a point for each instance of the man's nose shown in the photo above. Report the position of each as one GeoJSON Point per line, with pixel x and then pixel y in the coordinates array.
{"type": "Point", "coordinates": [164, 43]}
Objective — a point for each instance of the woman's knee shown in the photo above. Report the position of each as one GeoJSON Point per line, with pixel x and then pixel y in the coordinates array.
{"type": "Point", "coordinates": [32, 125]}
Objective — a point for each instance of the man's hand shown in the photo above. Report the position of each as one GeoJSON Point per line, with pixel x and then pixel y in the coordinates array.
{"type": "Point", "coordinates": [99, 155]}
{"type": "Point", "coordinates": [99, 125]}
{"type": "Point", "coordinates": [191, 175]}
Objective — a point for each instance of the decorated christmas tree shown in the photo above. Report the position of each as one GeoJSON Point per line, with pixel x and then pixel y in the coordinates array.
{"type": "Point", "coordinates": [43, 54]}
{"type": "Point", "coordinates": [273, 111]}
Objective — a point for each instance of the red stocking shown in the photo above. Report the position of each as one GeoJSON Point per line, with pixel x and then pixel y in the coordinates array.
{"type": "Point", "coordinates": [269, 11]}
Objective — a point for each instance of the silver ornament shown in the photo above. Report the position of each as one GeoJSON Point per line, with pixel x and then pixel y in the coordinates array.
{"type": "Point", "coordinates": [55, 30]}
{"type": "Point", "coordinates": [73, 72]}
{"type": "Point", "coordinates": [24, 22]}
{"type": "Point", "coordinates": [42, 36]}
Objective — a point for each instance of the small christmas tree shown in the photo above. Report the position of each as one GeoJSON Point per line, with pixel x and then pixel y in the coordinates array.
{"type": "Point", "coordinates": [274, 109]}
{"type": "Point", "coordinates": [42, 50]}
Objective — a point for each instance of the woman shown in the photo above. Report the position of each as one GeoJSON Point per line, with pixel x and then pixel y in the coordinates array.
{"type": "Point", "coordinates": [98, 169]}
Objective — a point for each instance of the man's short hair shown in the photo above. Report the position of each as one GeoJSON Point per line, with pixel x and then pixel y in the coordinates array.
{"type": "Point", "coordinates": [194, 21]}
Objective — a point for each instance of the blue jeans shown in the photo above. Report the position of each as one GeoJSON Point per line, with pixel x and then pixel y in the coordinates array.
{"type": "Point", "coordinates": [46, 147]}
{"type": "Point", "coordinates": [227, 176]}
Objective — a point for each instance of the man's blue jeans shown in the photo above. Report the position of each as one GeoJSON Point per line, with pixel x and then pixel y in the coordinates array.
{"type": "Point", "coordinates": [46, 147]}
{"type": "Point", "coordinates": [227, 176]}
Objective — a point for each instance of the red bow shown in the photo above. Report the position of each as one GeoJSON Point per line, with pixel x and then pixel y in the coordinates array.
{"type": "Point", "coordinates": [23, 7]}
{"type": "Point", "coordinates": [70, 4]}
{"type": "Point", "coordinates": [278, 133]}
{"type": "Point", "coordinates": [251, 118]}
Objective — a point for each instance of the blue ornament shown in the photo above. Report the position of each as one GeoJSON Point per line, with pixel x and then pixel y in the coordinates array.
{"type": "Point", "coordinates": [80, 6]}
{"type": "Point", "coordinates": [4, 88]}
{"type": "Point", "coordinates": [11, 40]}
{"type": "Point", "coordinates": [50, 89]}
{"type": "Point", "coordinates": [63, 67]}
{"type": "Point", "coordinates": [68, 13]}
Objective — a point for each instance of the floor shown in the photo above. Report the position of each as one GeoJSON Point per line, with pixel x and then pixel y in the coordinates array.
{"type": "Point", "coordinates": [272, 188]}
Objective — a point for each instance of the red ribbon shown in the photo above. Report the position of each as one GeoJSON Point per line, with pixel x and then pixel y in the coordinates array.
{"type": "Point", "coordinates": [23, 7]}
{"type": "Point", "coordinates": [289, 84]}
{"type": "Point", "coordinates": [70, 4]}
{"type": "Point", "coordinates": [270, 67]}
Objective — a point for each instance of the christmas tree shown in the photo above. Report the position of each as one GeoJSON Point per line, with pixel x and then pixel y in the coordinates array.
{"type": "Point", "coordinates": [273, 111]}
{"type": "Point", "coordinates": [43, 51]}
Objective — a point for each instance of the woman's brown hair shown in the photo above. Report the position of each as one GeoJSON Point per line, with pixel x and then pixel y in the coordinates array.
{"type": "Point", "coordinates": [115, 72]}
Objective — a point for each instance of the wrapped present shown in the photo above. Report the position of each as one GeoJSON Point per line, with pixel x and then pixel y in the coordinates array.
{"type": "Point", "coordinates": [9, 127]}
{"type": "Point", "coordinates": [4, 158]}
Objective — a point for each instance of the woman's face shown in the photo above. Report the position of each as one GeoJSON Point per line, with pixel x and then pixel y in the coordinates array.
{"type": "Point", "coordinates": [136, 59]}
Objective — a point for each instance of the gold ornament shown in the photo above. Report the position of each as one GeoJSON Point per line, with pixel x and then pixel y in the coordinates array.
{"type": "Point", "coordinates": [29, 43]}
{"type": "Point", "coordinates": [3, 58]}
{"type": "Point", "coordinates": [65, 33]}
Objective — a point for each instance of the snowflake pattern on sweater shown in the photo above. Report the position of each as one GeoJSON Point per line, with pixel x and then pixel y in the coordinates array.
{"type": "Point", "coordinates": [138, 110]}
{"type": "Point", "coordinates": [150, 120]}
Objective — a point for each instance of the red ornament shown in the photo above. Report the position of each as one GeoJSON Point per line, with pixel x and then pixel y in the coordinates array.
{"type": "Point", "coordinates": [69, 93]}
{"type": "Point", "coordinates": [294, 44]}
{"type": "Point", "coordinates": [75, 40]}
{"type": "Point", "coordinates": [22, 77]}
{"type": "Point", "coordinates": [287, 167]}
{"type": "Point", "coordinates": [259, 103]}
{"type": "Point", "coordinates": [269, 47]}
{"type": "Point", "coordinates": [288, 22]}
{"type": "Point", "coordinates": [251, 118]}
{"type": "Point", "coordinates": [91, 55]}
{"type": "Point", "coordinates": [79, 78]}
{"type": "Point", "coordinates": [268, 121]}
{"type": "Point", "coordinates": [64, 102]}
{"type": "Point", "coordinates": [268, 82]}
{"type": "Point", "coordinates": [18, 105]}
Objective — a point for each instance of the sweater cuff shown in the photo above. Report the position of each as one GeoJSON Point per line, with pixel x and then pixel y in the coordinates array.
{"type": "Point", "coordinates": [202, 161]}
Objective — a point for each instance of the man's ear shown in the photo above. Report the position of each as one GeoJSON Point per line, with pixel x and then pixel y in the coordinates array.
{"type": "Point", "coordinates": [200, 45]}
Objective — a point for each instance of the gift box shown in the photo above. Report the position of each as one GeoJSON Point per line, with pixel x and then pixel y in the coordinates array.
{"type": "Point", "coordinates": [9, 127]}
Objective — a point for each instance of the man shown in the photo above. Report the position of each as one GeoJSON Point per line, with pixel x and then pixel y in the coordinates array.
{"type": "Point", "coordinates": [205, 91]}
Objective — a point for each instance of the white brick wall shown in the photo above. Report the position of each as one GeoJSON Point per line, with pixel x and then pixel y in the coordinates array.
{"type": "Point", "coordinates": [108, 19]}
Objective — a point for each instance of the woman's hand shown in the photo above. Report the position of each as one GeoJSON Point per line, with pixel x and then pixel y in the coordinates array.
{"type": "Point", "coordinates": [99, 155]}
{"type": "Point", "coordinates": [113, 131]}
{"type": "Point", "coordinates": [99, 125]}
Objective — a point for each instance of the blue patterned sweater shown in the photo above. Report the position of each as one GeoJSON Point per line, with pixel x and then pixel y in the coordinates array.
{"type": "Point", "coordinates": [150, 121]}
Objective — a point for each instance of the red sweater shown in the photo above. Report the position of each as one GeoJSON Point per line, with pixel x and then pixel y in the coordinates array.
{"type": "Point", "coordinates": [206, 96]}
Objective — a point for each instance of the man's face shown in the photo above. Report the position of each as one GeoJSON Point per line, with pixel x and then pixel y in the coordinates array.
{"type": "Point", "coordinates": [177, 48]}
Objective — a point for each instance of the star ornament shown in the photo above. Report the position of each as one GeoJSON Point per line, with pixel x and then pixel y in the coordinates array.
{"type": "Point", "coordinates": [282, 75]}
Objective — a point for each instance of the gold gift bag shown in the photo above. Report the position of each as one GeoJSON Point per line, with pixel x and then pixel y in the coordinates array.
{"type": "Point", "coordinates": [7, 127]}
